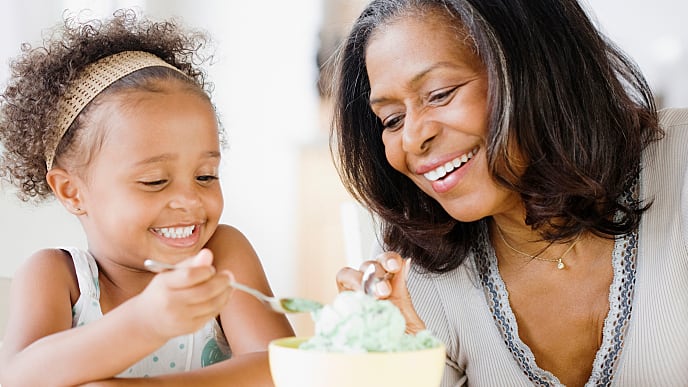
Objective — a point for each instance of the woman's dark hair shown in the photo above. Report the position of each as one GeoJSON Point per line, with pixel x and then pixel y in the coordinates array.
{"type": "Point", "coordinates": [568, 99]}
{"type": "Point", "coordinates": [41, 75]}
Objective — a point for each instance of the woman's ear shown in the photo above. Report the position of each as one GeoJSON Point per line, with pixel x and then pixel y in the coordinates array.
{"type": "Point", "coordinates": [67, 189]}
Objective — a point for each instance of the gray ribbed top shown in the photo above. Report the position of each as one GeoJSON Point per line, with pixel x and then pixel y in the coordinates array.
{"type": "Point", "coordinates": [645, 337]}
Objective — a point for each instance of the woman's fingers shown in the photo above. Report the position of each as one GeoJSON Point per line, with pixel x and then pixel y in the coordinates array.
{"type": "Point", "coordinates": [349, 279]}
{"type": "Point", "coordinates": [381, 273]}
{"type": "Point", "coordinates": [392, 272]}
{"type": "Point", "coordinates": [390, 261]}
{"type": "Point", "coordinates": [402, 299]}
{"type": "Point", "coordinates": [384, 267]}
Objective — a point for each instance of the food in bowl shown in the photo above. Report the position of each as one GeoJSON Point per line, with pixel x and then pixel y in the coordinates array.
{"type": "Point", "coordinates": [357, 322]}
{"type": "Point", "coordinates": [359, 341]}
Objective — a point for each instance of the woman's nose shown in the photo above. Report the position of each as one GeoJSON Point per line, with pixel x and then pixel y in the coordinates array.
{"type": "Point", "coordinates": [418, 133]}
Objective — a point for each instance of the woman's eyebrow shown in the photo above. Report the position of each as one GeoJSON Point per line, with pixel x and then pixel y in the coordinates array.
{"type": "Point", "coordinates": [416, 79]}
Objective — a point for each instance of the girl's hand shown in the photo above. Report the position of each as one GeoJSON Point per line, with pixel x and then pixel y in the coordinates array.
{"type": "Point", "coordinates": [393, 289]}
{"type": "Point", "coordinates": [182, 300]}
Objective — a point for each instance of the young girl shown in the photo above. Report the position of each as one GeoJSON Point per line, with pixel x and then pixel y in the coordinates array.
{"type": "Point", "coordinates": [115, 121]}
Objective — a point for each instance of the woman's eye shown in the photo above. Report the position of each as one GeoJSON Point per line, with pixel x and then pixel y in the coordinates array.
{"type": "Point", "coordinates": [442, 96]}
{"type": "Point", "coordinates": [393, 122]}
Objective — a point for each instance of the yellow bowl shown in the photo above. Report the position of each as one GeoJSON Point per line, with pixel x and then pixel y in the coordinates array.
{"type": "Point", "coordinates": [294, 367]}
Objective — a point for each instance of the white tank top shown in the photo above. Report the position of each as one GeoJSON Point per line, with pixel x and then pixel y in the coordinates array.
{"type": "Point", "coordinates": [183, 353]}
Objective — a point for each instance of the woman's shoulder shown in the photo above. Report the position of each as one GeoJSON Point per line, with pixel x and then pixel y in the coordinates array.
{"type": "Point", "coordinates": [674, 123]}
{"type": "Point", "coordinates": [670, 150]}
{"type": "Point", "coordinates": [671, 117]}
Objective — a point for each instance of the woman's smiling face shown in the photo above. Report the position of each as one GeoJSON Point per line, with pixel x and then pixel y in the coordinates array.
{"type": "Point", "coordinates": [429, 89]}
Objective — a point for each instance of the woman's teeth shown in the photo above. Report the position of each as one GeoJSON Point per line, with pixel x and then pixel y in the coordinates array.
{"type": "Point", "coordinates": [175, 232]}
{"type": "Point", "coordinates": [450, 166]}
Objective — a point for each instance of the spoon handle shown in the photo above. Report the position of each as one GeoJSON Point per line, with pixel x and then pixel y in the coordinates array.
{"type": "Point", "coordinates": [251, 291]}
{"type": "Point", "coordinates": [157, 266]}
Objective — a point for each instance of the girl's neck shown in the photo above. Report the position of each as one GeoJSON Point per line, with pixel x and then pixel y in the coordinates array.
{"type": "Point", "coordinates": [118, 282]}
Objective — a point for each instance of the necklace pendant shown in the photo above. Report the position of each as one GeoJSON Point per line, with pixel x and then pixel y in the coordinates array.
{"type": "Point", "coordinates": [560, 264]}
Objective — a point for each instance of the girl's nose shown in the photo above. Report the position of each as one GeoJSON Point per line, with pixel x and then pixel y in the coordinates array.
{"type": "Point", "coordinates": [418, 133]}
{"type": "Point", "coordinates": [185, 197]}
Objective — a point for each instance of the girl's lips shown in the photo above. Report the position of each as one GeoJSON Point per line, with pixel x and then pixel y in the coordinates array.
{"type": "Point", "coordinates": [178, 237]}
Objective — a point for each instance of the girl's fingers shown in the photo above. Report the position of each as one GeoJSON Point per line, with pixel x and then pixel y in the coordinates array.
{"type": "Point", "coordinates": [191, 271]}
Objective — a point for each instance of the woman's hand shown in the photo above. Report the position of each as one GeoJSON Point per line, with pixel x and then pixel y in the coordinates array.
{"type": "Point", "coordinates": [182, 300]}
{"type": "Point", "coordinates": [388, 265]}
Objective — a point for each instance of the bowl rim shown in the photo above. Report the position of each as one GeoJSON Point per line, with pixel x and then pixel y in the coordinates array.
{"type": "Point", "coordinates": [290, 343]}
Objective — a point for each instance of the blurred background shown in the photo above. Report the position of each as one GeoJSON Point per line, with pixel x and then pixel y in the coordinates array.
{"type": "Point", "coordinates": [280, 187]}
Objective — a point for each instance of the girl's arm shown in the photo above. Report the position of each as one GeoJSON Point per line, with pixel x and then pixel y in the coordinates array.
{"type": "Point", "coordinates": [41, 348]}
{"type": "Point", "coordinates": [248, 325]}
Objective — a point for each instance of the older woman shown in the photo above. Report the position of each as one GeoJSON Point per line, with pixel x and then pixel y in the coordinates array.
{"type": "Point", "coordinates": [516, 158]}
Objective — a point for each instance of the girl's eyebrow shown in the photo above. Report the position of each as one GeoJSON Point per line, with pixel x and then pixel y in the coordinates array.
{"type": "Point", "coordinates": [169, 156]}
{"type": "Point", "coordinates": [213, 155]}
{"type": "Point", "coordinates": [156, 159]}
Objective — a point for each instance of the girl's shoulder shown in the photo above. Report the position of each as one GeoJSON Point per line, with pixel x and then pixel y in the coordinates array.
{"type": "Point", "coordinates": [49, 267]}
{"type": "Point", "coordinates": [233, 251]}
{"type": "Point", "coordinates": [53, 262]}
{"type": "Point", "coordinates": [227, 240]}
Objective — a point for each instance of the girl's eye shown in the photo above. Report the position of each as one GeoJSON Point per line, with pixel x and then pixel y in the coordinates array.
{"type": "Point", "coordinates": [393, 122]}
{"type": "Point", "coordinates": [207, 178]}
{"type": "Point", "coordinates": [154, 183]}
{"type": "Point", "coordinates": [442, 96]}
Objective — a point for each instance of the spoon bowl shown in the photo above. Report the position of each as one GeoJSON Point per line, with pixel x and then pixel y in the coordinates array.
{"type": "Point", "coordinates": [279, 305]}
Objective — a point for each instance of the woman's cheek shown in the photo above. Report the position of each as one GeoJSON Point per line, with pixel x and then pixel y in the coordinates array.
{"type": "Point", "coordinates": [394, 153]}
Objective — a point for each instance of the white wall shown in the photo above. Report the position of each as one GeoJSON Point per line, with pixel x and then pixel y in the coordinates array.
{"type": "Point", "coordinates": [25, 228]}
{"type": "Point", "coordinates": [655, 35]}
{"type": "Point", "coordinates": [264, 75]}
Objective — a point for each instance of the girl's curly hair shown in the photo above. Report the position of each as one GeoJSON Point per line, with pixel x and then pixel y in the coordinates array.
{"type": "Point", "coordinates": [41, 75]}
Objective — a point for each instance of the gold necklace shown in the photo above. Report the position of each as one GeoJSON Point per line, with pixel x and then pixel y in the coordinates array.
{"type": "Point", "coordinates": [559, 261]}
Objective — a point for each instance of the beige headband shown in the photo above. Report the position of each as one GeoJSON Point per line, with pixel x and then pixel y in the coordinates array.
{"type": "Point", "coordinates": [92, 81]}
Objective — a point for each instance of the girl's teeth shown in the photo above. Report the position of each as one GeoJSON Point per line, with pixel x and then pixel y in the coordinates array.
{"type": "Point", "coordinates": [175, 232]}
{"type": "Point", "coordinates": [450, 166]}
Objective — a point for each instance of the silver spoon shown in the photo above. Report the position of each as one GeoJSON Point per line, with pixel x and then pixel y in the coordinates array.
{"type": "Point", "coordinates": [371, 278]}
{"type": "Point", "coordinates": [279, 305]}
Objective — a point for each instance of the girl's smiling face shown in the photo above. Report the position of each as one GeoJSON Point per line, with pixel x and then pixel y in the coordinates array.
{"type": "Point", "coordinates": [430, 92]}
{"type": "Point", "coordinates": [152, 189]}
